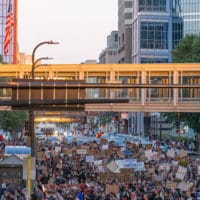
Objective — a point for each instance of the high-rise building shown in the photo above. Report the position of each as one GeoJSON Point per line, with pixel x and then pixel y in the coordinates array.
{"type": "Point", "coordinates": [110, 53]}
{"type": "Point", "coordinates": [152, 36]}
{"type": "Point", "coordinates": [159, 25]}
{"type": "Point", "coordinates": [125, 11]}
{"type": "Point", "coordinates": [186, 19]}
{"type": "Point", "coordinates": [8, 30]}
{"type": "Point", "coordinates": [189, 12]}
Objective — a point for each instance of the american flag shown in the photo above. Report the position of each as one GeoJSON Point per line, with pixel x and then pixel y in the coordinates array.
{"type": "Point", "coordinates": [9, 24]}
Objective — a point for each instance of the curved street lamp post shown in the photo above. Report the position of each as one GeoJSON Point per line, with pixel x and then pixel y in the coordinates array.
{"type": "Point", "coordinates": [31, 112]}
{"type": "Point", "coordinates": [33, 55]}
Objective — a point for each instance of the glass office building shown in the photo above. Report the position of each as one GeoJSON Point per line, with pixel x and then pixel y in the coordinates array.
{"type": "Point", "coordinates": [11, 56]}
{"type": "Point", "coordinates": [158, 26]}
{"type": "Point", "coordinates": [189, 10]}
{"type": "Point", "coordinates": [152, 24]}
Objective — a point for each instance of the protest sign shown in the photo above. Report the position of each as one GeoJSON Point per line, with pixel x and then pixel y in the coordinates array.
{"type": "Point", "coordinates": [165, 166]}
{"type": "Point", "coordinates": [170, 153]}
{"type": "Point", "coordinates": [183, 186]}
{"type": "Point", "coordinates": [98, 162]}
{"type": "Point", "coordinates": [171, 185]}
{"type": "Point", "coordinates": [181, 172]}
{"type": "Point", "coordinates": [174, 163]}
{"type": "Point", "coordinates": [57, 149]}
{"type": "Point", "coordinates": [105, 147]}
{"type": "Point", "coordinates": [112, 166]}
{"type": "Point", "coordinates": [182, 153]}
{"type": "Point", "coordinates": [89, 159]}
{"type": "Point", "coordinates": [112, 189]}
{"type": "Point", "coordinates": [81, 151]}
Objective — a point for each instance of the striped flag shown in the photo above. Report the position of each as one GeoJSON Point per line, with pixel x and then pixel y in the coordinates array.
{"type": "Point", "coordinates": [8, 26]}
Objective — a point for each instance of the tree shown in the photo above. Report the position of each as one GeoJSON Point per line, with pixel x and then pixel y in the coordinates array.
{"type": "Point", "coordinates": [13, 121]}
{"type": "Point", "coordinates": [187, 51]}
{"type": "Point", "coordinates": [192, 119]}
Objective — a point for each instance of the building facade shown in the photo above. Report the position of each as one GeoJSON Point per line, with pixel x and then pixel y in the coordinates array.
{"type": "Point", "coordinates": [159, 25]}
{"type": "Point", "coordinates": [152, 35]}
{"type": "Point", "coordinates": [125, 13]}
{"type": "Point", "coordinates": [110, 53]}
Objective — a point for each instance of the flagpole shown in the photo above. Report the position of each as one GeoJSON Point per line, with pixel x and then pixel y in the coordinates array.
{"type": "Point", "coordinates": [15, 41]}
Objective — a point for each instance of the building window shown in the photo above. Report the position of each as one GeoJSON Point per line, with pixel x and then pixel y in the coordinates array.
{"type": "Point", "coordinates": [154, 35]}
{"type": "Point", "coordinates": [152, 5]}
{"type": "Point", "coordinates": [154, 60]}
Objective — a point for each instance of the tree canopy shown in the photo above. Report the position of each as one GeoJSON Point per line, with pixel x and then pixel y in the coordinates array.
{"type": "Point", "coordinates": [187, 51]}
{"type": "Point", "coordinates": [12, 121]}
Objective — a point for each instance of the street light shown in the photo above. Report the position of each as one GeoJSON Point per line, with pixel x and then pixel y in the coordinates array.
{"type": "Point", "coordinates": [35, 64]}
{"type": "Point", "coordinates": [31, 112]}
{"type": "Point", "coordinates": [33, 55]}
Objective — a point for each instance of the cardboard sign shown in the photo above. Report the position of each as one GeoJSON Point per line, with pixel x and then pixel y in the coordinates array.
{"type": "Point", "coordinates": [112, 189]}
{"type": "Point", "coordinates": [171, 185]}
{"type": "Point", "coordinates": [183, 186]}
{"type": "Point", "coordinates": [126, 175]}
{"type": "Point", "coordinates": [182, 153]}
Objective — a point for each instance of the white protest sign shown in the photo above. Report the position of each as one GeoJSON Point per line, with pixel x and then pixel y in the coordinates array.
{"type": "Point", "coordinates": [151, 155]}
{"type": "Point", "coordinates": [101, 169]}
{"type": "Point", "coordinates": [174, 163]}
{"type": "Point", "coordinates": [105, 147]}
{"type": "Point", "coordinates": [98, 162]}
{"type": "Point", "coordinates": [164, 166]}
{"type": "Point", "coordinates": [181, 172]}
{"type": "Point", "coordinates": [57, 149]}
{"type": "Point", "coordinates": [89, 159]}
{"type": "Point", "coordinates": [126, 163]}
{"type": "Point", "coordinates": [171, 153]}
{"type": "Point", "coordinates": [112, 166]}
{"type": "Point", "coordinates": [81, 151]}
{"type": "Point", "coordinates": [140, 166]}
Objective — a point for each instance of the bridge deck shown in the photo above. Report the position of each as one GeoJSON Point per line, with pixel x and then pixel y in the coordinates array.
{"type": "Point", "coordinates": [184, 98]}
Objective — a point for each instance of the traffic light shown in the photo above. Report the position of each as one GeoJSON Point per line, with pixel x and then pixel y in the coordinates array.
{"type": "Point", "coordinates": [177, 125]}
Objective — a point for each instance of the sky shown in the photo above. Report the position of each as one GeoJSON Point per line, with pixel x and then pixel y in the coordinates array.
{"type": "Point", "coordinates": [80, 27]}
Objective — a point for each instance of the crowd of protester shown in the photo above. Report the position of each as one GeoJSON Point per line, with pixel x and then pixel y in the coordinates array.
{"type": "Point", "coordinates": [62, 172]}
